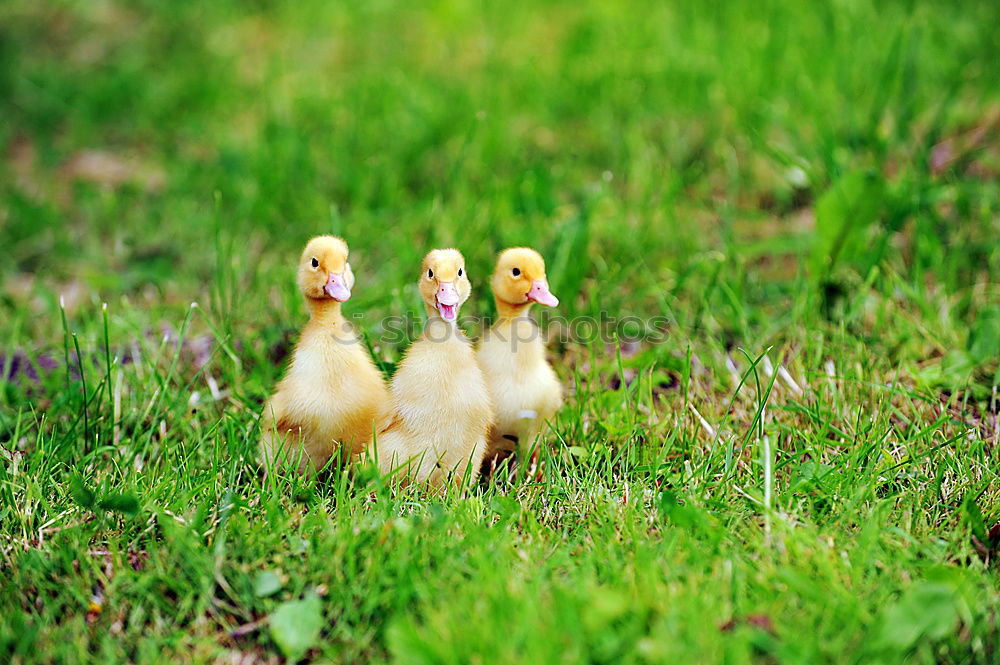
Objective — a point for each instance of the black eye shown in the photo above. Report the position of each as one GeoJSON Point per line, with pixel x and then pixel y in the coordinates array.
{"type": "Point", "coordinates": [516, 271]}
{"type": "Point", "coordinates": [430, 274]}
{"type": "Point", "coordinates": [459, 272]}
{"type": "Point", "coordinates": [315, 263]}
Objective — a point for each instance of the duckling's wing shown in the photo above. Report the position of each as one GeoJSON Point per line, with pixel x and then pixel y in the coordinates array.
{"type": "Point", "coordinates": [389, 421]}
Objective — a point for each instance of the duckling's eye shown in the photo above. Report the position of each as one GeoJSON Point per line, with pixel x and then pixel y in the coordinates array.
{"type": "Point", "coordinates": [516, 271]}
{"type": "Point", "coordinates": [459, 272]}
{"type": "Point", "coordinates": [430, 274]}
{"type": "Point", "coordinates": [314, 263]}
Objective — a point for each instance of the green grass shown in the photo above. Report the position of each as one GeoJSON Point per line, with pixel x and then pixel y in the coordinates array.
{"type": "Point", "coordinates": [813, 189]}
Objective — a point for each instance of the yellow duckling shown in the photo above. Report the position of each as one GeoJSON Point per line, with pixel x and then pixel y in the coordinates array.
{"type": "Point", "coordinates": [440, 407]}
{"type": "Point", "coordinates": [523, 388]}
{"type": "Point", "coordinates": [332, 392]}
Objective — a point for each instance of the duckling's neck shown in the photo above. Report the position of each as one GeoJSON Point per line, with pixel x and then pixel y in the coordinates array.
{"type": "Point", "coordinates": [508, 311]}
{"type": "Point", "coordinates": [324, 312]}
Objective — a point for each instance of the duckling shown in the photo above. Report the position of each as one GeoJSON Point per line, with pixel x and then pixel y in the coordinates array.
{"type": "Point", "coordinates": [332, 393]}
{"type": "Point", "coordinates": [523, 387]}
{"type": "Point", "coordinates": [440, 409]}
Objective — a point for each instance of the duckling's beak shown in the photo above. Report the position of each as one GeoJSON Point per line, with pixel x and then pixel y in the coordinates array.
{"type": "Point", "coordinates": [540, 293]}
{"type": "Point", "coordinates": [336, 287]}
{"type": "Point", "coordinates": [447, 300]}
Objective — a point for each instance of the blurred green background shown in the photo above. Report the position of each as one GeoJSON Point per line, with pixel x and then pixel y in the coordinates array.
{"type": "Point", "coordinates": [818, 182]}
{"type": "Point", "coordinates": [170, 152]}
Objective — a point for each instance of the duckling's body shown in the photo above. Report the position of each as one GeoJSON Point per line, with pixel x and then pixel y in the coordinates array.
{"type": "Point", "coordinates": [440, 407]}
{"type": "Point", "coordinates": [524, 389]}
{"type": "Point", "coordinates": [332, 393]}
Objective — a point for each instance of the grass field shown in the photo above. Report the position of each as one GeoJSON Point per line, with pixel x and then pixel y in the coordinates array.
{"type": "Point", "coordinates": [798, 463]}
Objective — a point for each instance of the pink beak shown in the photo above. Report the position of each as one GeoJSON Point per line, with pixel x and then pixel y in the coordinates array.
{"type": "Point", "coordinates": [540, 293]}
{"type": "Point", "coordinates": [336, 287]}
{"type": "Point", "coordinates": [447, 300]}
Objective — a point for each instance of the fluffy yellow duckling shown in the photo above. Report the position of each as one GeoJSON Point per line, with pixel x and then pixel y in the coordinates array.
{"type": "Point", "coordinates": [440, 407]}
{"type": "Point", "coordinates": [332, 392]}
{"type": "Point", "coordinates": [523, 388]}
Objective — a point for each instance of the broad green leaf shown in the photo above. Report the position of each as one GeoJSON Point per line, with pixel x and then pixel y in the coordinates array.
{"type": "Point", "coordinates": [843, 214]}
{"type": "Point", "coordinates": [266, 583]}
{"type": "Point", "coordinates": [295, 626]}
{"type": "Point", "coordinates": [972, 516]}
{"type": "Point", "coordinates": [812, 471]}
{"type": "Point", "coordinates": [952, 371]}
{"type": "Point", "coordinates": [125, 504]}
{"type": "Point", "coordinates": [80, 492]}
{"type": "Point", "coordinates": [679, 514]}
{"type": "Point", "coordinates": [984, 339]}
{"type": "Point", "coordinates": [505, 506]}
{"type": "Point", "coordinates": [926, 611]}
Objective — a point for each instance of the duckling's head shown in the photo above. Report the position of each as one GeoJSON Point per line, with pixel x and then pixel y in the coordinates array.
{"type": "Point", "coordinates": [324, 272]}
{"type": "Point", "coordinates": [519, 278]}
{"type": "Point", "coordinates": [444, 286]}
